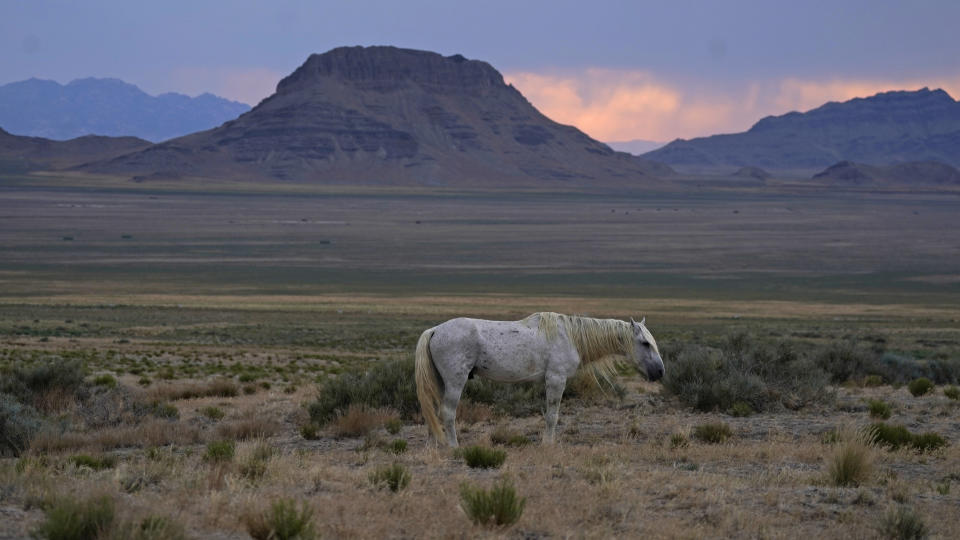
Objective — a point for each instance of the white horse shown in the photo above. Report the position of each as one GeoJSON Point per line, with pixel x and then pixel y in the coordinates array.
{"type": "Point", "coordinates": [544, 346]}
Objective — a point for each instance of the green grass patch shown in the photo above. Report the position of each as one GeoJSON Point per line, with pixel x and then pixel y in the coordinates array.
{"type": "Point", "coordinates": [395, 477]}
{"type": "Point", "coordinates": [920, 386]}
{"type": "Point", "coordinates": [713, 432]}
{"type": "Point", "coordinates": [500, 506]}
{"type": "Point", "coordinates": [482, 457]}
{"type": "Point", "coordinates": [878, 409]}
{"type": "Point", "coordinates": [898, 436]}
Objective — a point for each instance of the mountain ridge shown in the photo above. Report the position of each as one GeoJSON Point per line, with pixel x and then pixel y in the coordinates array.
{"type": "Point", "coordinates": [888, 127]}
{"type": "Point", "coordinates": [107, 107]}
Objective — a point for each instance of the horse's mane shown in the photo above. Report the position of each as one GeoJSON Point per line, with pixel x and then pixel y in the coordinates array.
{"type": "Point", "coordinates": [598, 341]}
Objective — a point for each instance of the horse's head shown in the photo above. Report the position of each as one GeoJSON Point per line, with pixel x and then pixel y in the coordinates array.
{"type": "Point", "coordinates": [646, 352]}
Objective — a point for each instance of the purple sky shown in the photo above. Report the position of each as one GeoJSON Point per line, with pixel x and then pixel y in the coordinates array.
{"type": "Point", "coordinates": [618, 70]}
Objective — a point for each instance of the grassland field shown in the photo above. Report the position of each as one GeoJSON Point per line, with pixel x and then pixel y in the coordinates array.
{"type": "Point", "coordinates": [167, 287]}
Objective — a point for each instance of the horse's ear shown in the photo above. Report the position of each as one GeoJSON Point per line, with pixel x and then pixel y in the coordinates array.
{"type": "Point", "coordinates": [643, 321]}
{"type": "Point", "coordinates": [635, 326]}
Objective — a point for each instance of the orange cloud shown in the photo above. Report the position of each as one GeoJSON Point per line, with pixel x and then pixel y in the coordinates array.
{"type": "Point", "coordinates": [619, 105]}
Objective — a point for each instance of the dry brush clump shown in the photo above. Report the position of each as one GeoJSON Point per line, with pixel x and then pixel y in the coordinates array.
{"type": "Point", "coordinates": [218, 387]}
{"type": "Point", "coordinates": [852, 460]}
{"type": "Point", "coordinates": [359, 420]}
{"type": "Point", "coordinates": [395, 477]}
{"type": "Point", "coordinates": [282, 520]}
{"type": "Point", "coordinates": [500, 506]}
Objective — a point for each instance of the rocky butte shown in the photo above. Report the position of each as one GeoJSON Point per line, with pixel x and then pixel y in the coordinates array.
{"type": "Point", "coordinates": [384, 115]}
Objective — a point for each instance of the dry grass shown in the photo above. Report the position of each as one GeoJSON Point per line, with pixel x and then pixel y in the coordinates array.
{"type": "Point", "coordinates": [852, 461]}
{"type": "Point", "coordinates": [145, 435]}
{"type": "Point", "coordinates": [359, 420]}
{"type": "Point", "coordinates": [217, 387]}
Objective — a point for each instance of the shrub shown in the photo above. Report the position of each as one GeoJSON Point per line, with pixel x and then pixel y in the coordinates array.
{"type": "Point", "coordinates": [220, 451]}
{"type": "Point", "coordinates": [395, 477]}
{"type": "Point", "coordinates": [952, 392]}
{"type": "Point", "coordinates": [482, 457]}
{"type": "Point", "coordinates": [516, 399]}
{"type": "Point", "coordinates": [106, 380]}
{"type": "Point", "coordinates": [499, 507]}
{"type": "Point", "coordinates": [166, 411]}
{"type": "Point", "coordinates": [920, 386]}
{"type": "Point", "coordinates": [282, 521]}
{"type": "Point", "coordinates": [155, 528]}
{"type": "Point", "coordinates": [97, 463]}
{"type": "Point", "coordinates": [31, 384]}
{"type": "Point", "coordinates": [18, 425]}
{"type": "Point", "coordinates": [743, 376]}
{"type": "Point", "coordinates": [310, 431]}
{"type": "Point", "coordinates": [503, 436]}
{"type": "Point", "coordinates": [255, 465]}
{"type": "Point", "coordinates": [852, 462]}
{"type": "Point", "coordinates": [740, 408]}
{"type": "Point", "coordinates": [389, 385]}
{"type": "Point", "coordinates": [847, 360]}
{"type": "Point", "coordinates": [903, 523]}
{"type": "Point", "coordinates": [252, 427]}
{"type": "Point", "coordinates": [393, 426]}
{"type": "Point", "coordinates": [213, 413]}
{"type": "Point", "coordinates": [878, 409]}
{"type": "Point", "coordinates": [712, 433]}
{"type": "Point", "coordinates": [897, 436]}
{"type": "Point", "coordinates": [71, 519]}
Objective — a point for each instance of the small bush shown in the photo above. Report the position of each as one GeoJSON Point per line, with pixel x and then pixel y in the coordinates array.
{"type": "Point", "coordinates": [71, 519]}
{"type": "Point", "coordinates": [903, 523]}
{"type": "Point", "coordinates": [282, 521]}
{"type": "Point", "coordinates": [389, 385]}
{"type": "Point", "coordinates": [712, 433]}
{"type": "Point", "coordinates": [220, 451]}
{"type": "Point", "coordinates": [213, 413]}
{"type": "Point", "coordinates": [482, 457]}
{"type": "Point", "coordinates": [33, 384]}
{"type": "Point", "coordinates": [498, 507]}
{"type": "Point", "coordinates": [166, 411]}
{"type": "Point", "coordinates": [105, 380]}
{"type": "Point", "coordinates": [503, 436]}
{"type": "Point", "coordinates": [898, 436]}
{"type": "Point", "coordinates": [255, 465]}
{"type": "Point", "coordinates": [920, 386]}
{"type": "Point", "coordinates": [393, 426]}
{"type": "Point", "coordinates": [97, 463]}
{"type": "Point", "coordinates": [310, 431]}
{"type": "Point", "coordinates": [872, 380]}
{"type": "Point", "coordinates": [852, 462]}
{"type": "Point", "coordinates": [878, 409]}
{"type": "Point", "coordinates": [395, 477]}
{"type": "Point", "coordinates": [952, 392]}
{"type": "Point", "coordinates": [740, 408]}
{"type": "Point", "coordinates": [19, 424]}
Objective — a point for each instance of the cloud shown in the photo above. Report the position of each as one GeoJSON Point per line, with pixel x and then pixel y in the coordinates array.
{"type": "Point", "coordinates": [620, 105]}
{"type": "Point", "coordinates": [247, 85]}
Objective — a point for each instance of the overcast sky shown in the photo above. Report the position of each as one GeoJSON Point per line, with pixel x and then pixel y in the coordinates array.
{"type": "Point", "coordinates": [618, 70]}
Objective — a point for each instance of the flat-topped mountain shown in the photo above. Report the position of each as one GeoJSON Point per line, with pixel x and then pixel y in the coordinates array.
{"type": "Point", "coordinates": [890, 127]}
{"type": "Point", "coordinates": [22, 153]}
{"type": "Point", "coordinates": [110, 107]}
{"type": "Point", "coordinates": [914, 173]}
{"type": "Point", "coordinates": [391, 116]}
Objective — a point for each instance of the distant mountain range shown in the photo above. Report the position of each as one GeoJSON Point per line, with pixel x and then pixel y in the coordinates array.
{"type": "Point", "coordinates": [111, 107]}
{"type": "Point", "coordinates": [888, 128]}
{"type": "Point", "coordinates": [385, 115]}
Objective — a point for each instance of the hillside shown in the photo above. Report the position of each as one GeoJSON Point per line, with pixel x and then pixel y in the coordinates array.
{"type": "Point", "coordinates": [23, 153]}
{"type": "Point", "coordinates": [385, 115]}
{"type": "Point", "coordinates": [890, 127]}
{"type": "Point", "coordinates": [915, 173]}
{"type": "Point", "coordinates": [110, 107]}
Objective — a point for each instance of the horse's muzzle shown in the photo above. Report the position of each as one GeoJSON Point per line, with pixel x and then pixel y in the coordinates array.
{"type": "Point", "coordinates": [655, 374]}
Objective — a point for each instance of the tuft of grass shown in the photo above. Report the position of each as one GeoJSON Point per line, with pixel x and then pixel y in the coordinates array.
{"type": "Point", "coordinates": [712, 432]}
{"type": "Point", "coordinates": [898, 436]}
{"type": "Point", "coordinates": [396, 477]}
{"type": "Point", "coordinates": [740, 408]}
{"type": "Point", "coordinates": [952, 392]}
{"type": "Point", "coordinates": [497, 507]}
{"type": "Point", "coordinates": [96, 463]}
{"type": "Point", "coordinates": [482, 457]}
{"type": "Point", "coordinates": [76, 519]}
{"type": "Point", "coordinates": [255, 465]}
{"type": "Point", "coordinates": [155, 528]}
{"type": "Point", "coordinates": [920, 386]}
{"type": "Point", "coordinates": [678, 440]}
{"type": "Point", "coordinates": [393, 426]}
{"type": "Point", "coordinates": [903, 523]}
{"type": "Point", "coordinates": [878, 409]}
{"type": "Point", "coordinates": [310, 431]}
{"type": "Point", "coordinates": [251, 427]}
{"type": "Point", "coordinates": [852, 461]}
{"type": "Point", "coordinates": [398, 446]}
{"type": "Point", "coordinates": [220, 451]}
{"type": "Point", "coordinates": [282, 521]}
{"type": "Point", "coordinates": [504, 436]}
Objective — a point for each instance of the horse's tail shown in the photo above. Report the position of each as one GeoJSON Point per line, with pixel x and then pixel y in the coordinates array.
{"type": "Point", "coordinates": [428, 385]}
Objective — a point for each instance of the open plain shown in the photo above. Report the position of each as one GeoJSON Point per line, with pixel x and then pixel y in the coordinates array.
{"type": "Point", "coordinates": [219, 311]}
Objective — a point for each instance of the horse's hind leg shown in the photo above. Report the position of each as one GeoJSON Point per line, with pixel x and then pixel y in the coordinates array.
{"type": "Point", "coordinates": [448, 410]}
{"type": "Point", "coordinates": [554, 387]}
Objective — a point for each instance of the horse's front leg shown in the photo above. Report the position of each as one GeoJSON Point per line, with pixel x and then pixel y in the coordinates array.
{"type": "Point", "coordinates": [555, 383]}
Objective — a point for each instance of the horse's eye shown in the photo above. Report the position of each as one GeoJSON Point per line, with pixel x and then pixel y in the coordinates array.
{"type": "Point", "coordinates": [646, 344]}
